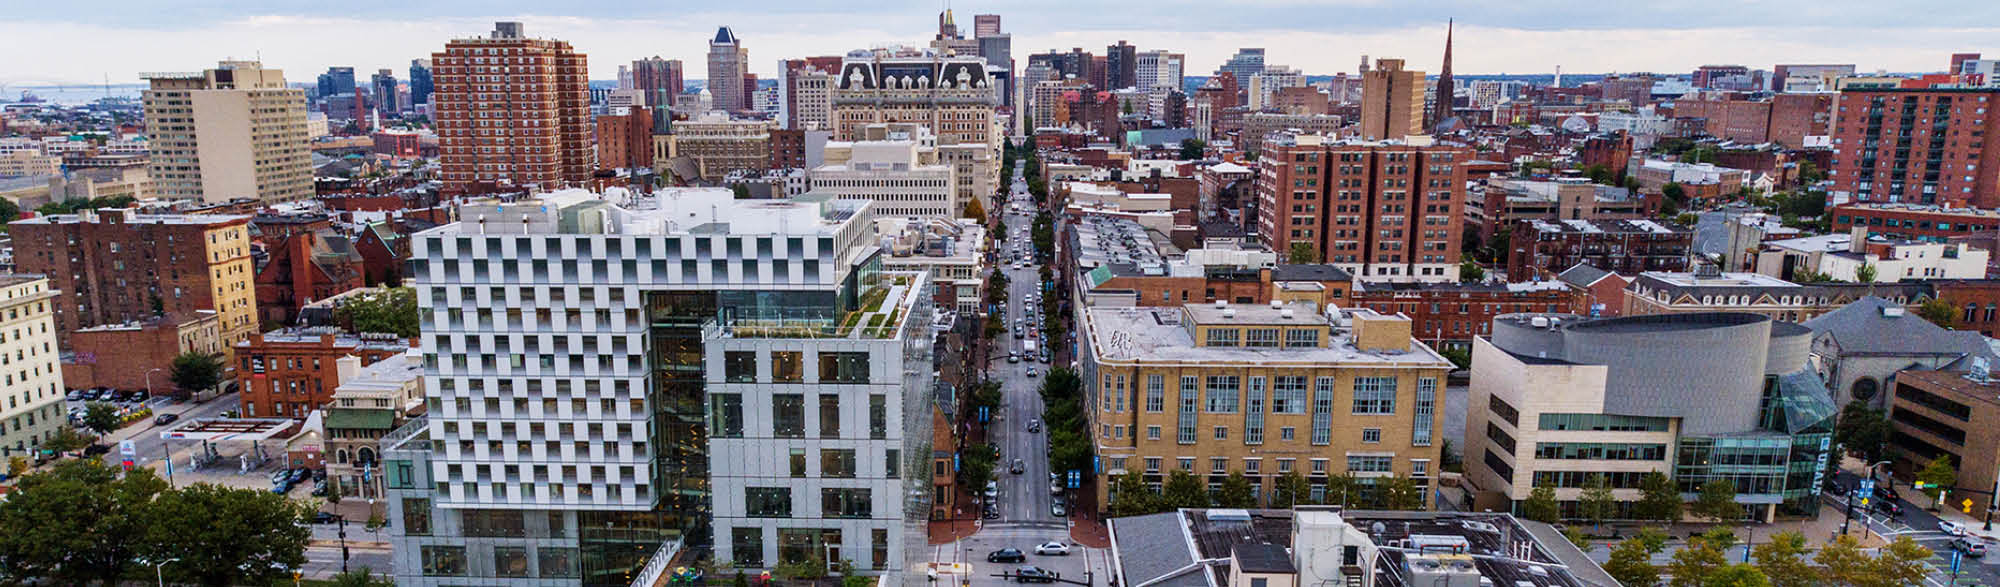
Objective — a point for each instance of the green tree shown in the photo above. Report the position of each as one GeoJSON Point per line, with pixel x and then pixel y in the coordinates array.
{"type": "Point", "coordinates": [1290, 489]}
{"type": "Point", "coordinates": [741, 191]}
{"type": "Point", "coordinates": [1541, 506]}
{"type": "Point", "coordinates": [1653, 538]}
{"type": "Point", "coordinates": [195, 372]}
{"type": "Point", "coordinates": [1235, 492]}
{"type": "Point", "coordinates": [9, 211]}
{"type": "Point", "coordinates": [1866, 274]}
{"type": "Point", "coordinates": [975, 466]}
{"type": "Point", "coordinates": [1596, 503]}
{"type": "Point", "coordinates": [1632, 564]}
{"type": "Point", "coordinates": [362, 577]}
{"type": "Point", "coordinates": [1401, 493]}
{"type": "Point", "coordinates": [1131, 497]}
{"type": "Point", "coordinates": [1674, 193]}
{"type": "Point", "coordinates": [1460, 358]}
{"type": "Point", "coordinates": [393, 312]}
{"type": "Point", "coordinates": [67, 439]}
{"type": "Point", "coordinates": [100, 417]}
{"type": "Point", "coordinates": [1694, 562]}
{"type": "Point", "coordinates": [1717, 500]}
{"type": "Point", "coordinates": [1783, 560]}
{"type": "Point", "coordinates": [1939, 312]}
{"type": "Point", "coordinates": [1938, 476]}
{"type": "Point", "coordinates": [1577, 537]}
{"type": "Point", "coordinates": [17, 466]}
{"type": "Point", "coordinates": [1659, 499]}
{"type": "Point", "coordinates": [1598, 173]}
{"type": "Point", "coordinates": [1899, 563]}
{"type": "Point", "coordinates": [1737, 575]}
{"type": "Point", "coordinates": [1193, 149]}
{"type": "Point", "coordinates": [1182, 490]}
{"type": "Point", "coordinates": [78, 522]}
{"type": "Point", "coordinates": [975, 210]}
{"type": "Point", "coordinates": [1471, 272]}
{"type": "Point", "coordinates": [1302, 253]}
{"type": "Point", "coordinates": [1863, 430]}
{"type": "Point", "coordinates": [227, 536]}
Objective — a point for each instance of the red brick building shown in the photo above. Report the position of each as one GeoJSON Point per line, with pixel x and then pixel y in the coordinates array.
{"type": "Point", "coordinates": [137, 355]}
{"type": "Point", "coordinates": [289, 373]}
{"type": "Point", "coordinates": [1543, 248]}
{"type": "Point", "coordinates": [396, 143]}
{"type": "Point", "coordinates": [1612, 151]}
{"type": "Point", "coordinates": [1381, 211]}
{"type": "Point", "coordinates": [115, 266]}
{"type": "Point", "coordinates": [788, 148]}
{"type": "Point", "coordinates": [1977, 300]}
{"type": "Point", "coordinates": [511, 111]}
{"type": "Point", "coordinates": [1448, 315]}
{"type": "Point", "coordinates": [1922, 146]}
{"type": "Point", "coordinates": [305, 267]}
{"type": "Point", "coordinates": [625, 140]}
{"type": "Point", "coordinates": [1912, 221]}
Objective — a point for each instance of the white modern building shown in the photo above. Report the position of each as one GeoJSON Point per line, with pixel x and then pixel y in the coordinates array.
{"type": "Point", "coordinates": [951, 251]}
{"type": "Point", "coordinates": [1159, 70]}
{"type": "Point", "coordinates": [1841, 257]}
{"type": "Point", "coordinates": [897, 166]}
{"type": "Point", "coordinates": [31, 400]}
{"type": "Point", "coordinates": [612, 378]}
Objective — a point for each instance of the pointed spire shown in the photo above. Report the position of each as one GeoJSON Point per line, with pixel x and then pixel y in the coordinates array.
{"type": "Point", "coordinates": [1442, 96]}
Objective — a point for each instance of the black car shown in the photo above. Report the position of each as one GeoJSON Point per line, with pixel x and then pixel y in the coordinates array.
{"type": "Point", "coordinates": [300, 475]}
{"type": "Point", "coordinates": [1884, 490]}
{"type": "Point", "coordinates": [1886, 506]}
{"type": "Point", "coordinates": [325, 518]}
{"type": "Point", "coordinates": [1832, 487]}
{"type": "Point", "coordinates": [1007, 555]}
{"type": "Point", "coordinates": [1034, 574]}
{"type": "Point", "coordinates": [165, 419]}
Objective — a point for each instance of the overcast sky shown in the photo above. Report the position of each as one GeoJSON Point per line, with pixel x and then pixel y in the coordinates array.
{"type": "Point", "coordinates": [83, 43]}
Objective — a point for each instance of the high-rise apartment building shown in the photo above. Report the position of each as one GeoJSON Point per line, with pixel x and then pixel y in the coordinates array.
{"type": "Point", "coordinates": [1392, 101]}
{"type": "Point", "coordinates": [113, 266]}
{"type": "Point", "coordinates": [226, 133]}
{"type": "Point", "coordinates": [383, 88]}
{"type": "Point", "coordinates": [805, 92]}
{"type": "Point", "coordinates": [727, 375]}
{"type": "Point", "coordinates": [728, 64]}
{"type": "Point", "coordinates": [1158, 70]}
{"type": "Point", "coordinates": [659, 80]}
{"type": "Point", "coordinates": [511, 111]}
{"type": "Point", "coordinates": [1382, 211]}
{"type": "Point", "coordinates": [953, 96]}
{"type": "Point", "coordinates": [1254, 390]}
{"type": "Point", "coordinates": [1121, 66]}
{"type": "Point", "coordinates": [420, 82]}
{"type": "Point", "coordinates": [33, 397]}
{"type": "Point", "coordinates": [625, 137]}
{"type": "Point", "coordinates": [1921, 146]}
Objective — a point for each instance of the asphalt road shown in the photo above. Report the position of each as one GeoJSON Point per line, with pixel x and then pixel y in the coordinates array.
{"type": "Point", "coordinates": [1922, 526]}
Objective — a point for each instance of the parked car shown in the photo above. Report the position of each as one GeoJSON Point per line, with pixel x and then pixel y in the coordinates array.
{"type": "Point", "coordinates": [1832, 487]}
{"type": "Point", "coordinates": [992, 489]}
{"type": "Point", "coordinates": [1885, 506]}
{"type": "Point", "coordinates": [1034, 574]}
{"type": "Point", "coordinates": [300, 475]}
{"type": "Point", "coordinates": [281, 476]}
{"type": "Point", "coordinates": [319, 489]}
{"type": "Point", "coordinates": [1972, 547]}
{"type": "Point", "coordinates": [1058, 510]}
{"type": "Point", "coordinates": [1006, 555]}
{"type": "Point", "coordinates": [325, 518]}
{"type": "Point", "coordinates": [282, 487]}
{"type": "Point", "coordinates": [1884, 490]}
{"type": "Point", "coordinates": [165, 419]}
{"type": "Point", "coordinates": [1020, 466]}
{"type": "Point", "coordinates": [1052, 548]}
{"type": "Point", "coordinates": [1952, 528]}
{"type": "Point", "coordinates": [74, 395]}
{"type": "Point", "coordinates": [1055, 488]}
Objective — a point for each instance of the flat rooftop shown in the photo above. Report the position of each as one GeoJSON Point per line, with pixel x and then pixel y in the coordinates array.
{"type": "Point", "coordinates": [702, 211]}
{"type": "Point", "coordinates": [1727, 279]}
{"type": "Point", "coordinates": [1157, 334]}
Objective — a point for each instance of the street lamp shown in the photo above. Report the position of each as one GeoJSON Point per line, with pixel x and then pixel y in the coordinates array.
{"type": "Point", "coordinates": [149, 383]}
{"type": "Point", "coordinates": [159, 572]}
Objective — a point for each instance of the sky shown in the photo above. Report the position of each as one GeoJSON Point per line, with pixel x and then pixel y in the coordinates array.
{"type": "Point", "coordinates": [119, 39]}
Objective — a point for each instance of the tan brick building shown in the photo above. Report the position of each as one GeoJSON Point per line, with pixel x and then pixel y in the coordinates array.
{"type": "Point", "coordinates": [1263, 390]}
{"type": "Point", "coordinates": [235, 131]}
{"type": "Point", "coordinates": [117, 265]}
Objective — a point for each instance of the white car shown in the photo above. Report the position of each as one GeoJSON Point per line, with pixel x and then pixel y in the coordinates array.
{"type": "Point", "coordinates": [1952, 528]}
{"type": "Point", "coordinates": [1053, 548]}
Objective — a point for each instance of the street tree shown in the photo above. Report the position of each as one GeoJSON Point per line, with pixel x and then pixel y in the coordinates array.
{"type": "Point", "coordinates": [1737, 575]}
{"type": "Point", "coordinates": [195, 372]}
{"type": "Point", "coordinates": [1236, 492]}
{"type": "Point", "coordinates": [1596, 503]}
{"type": "Point", "coordinates": [1471, 272]}
{"type": "Point", "coordinates": [1193, 149]}
{"type": "Point", "coordinates": [1131, 497]}
{"type": "Point", "coordinates": [1659, 499]}
{"type": "Point", "coordinates": [1290, 489]}
{"type": "Point", "coordinates": [1901, 562]}
{"type": "Point", "coordinates": [1541, 506]}
{"type": "Point", "coordinates": [100, 417]}
{"type": "Point", "coordinates": [1182, 490]}
{"type": "Point", "coordinates": [67, 439]}
{"type": "Point", "coordinates": [1863, 430]}
{"type": "Point", "coordinates": [76, 523]}
{"type": "Point", "coordinates": [1717, 500]}
{"type": "Point", "coordinates": [1577, 537]}
{"type": "Point", "coordinates": [1632, 564]}
{"type": "Point", "coordinates": [1938, 476]}
{"type": "Point", "coordinates": [1783, 561]}
{"type": "Point", "coordinates": [226, 535]}
{"type": "Point", "coordinates": [1401, 493]}
{"type": "Point", "coordinates": [1694, 562]}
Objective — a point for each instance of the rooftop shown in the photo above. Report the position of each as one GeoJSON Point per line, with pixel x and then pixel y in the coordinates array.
{"type": "Point", "coordinates": [1157, 334]}
{"type": "Point", "coordinates": [673, 211]}
{"type": "Point", "coordinates": [1575, 226]}
{"type": "Point", "coordinates": [1898, 207]}
{"type": "Point", "coordinates": [1725, 279]}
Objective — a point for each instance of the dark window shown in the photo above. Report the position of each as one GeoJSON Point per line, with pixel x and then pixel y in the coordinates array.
{"type": "Point", "coordinates": [878, 416]}
{"type": "Point", "coordinates": [746, 545]}
{"type": "Point", "coordinates": [416, 517]}
{"type": "Point", "coordinates": [1499, 466]}
{"type": "Point", "coordinates": [1962, 412]}
{"type": "Point", "coordinates": [843, 367]}
{"type": "Point", "coordinates": [1505, 412]}
{"type": "Point", "coordinates": [845, 503]}
{"type": "Point", "coordinates": [739, 366]}
{"type": "Point", "coordinates": [767, 502]}
{"type": "Point", "coordinates": [1500, 437]}
{"type": "Point", "coordinates": [727, 411]}
{"type": "Point", "coordinates": [1918, 421]}
{"type": "Point", "coordinates": [829, 416]}
{"type": "Point", "coordinates": [836, 462]}
{"type": "Point", "coordinates": [788, 418]}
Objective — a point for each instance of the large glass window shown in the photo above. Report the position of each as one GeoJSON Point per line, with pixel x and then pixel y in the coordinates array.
{"type": "Point", "coordinates": [1222, 394]}
{"type": "Point", "coordinates": [836, 462]}
{"type": "Point", "coordinates": [444, 561]}
{"type": "Point", "coordinates": [416, 516]}
{"type": "Point", "coordinates": [1302, 338]}
{"type": "Point", "coordinates": [829, 416]}
{"type": "Point", "coordinates": [510, 561]}
{"type": "Point", "coordinates": [798, 462]}
{"type": "Point", "coordinates": [747, 546]}
{"type": "Point", "coordinates": [556, 563]}
{"type": "Point", "coordinates": [798, 545]}
{"type": "Point", "coordinates": [1223, 337]}
{"type": "Point", "coordinates": [767, 502]}
{"type": "Point", "coordinates": [1604, 451]}
{"type": "Point", "coordinates": [1156, 393]}
{"type": "Point", "coordinates": [879, 537]}
{"type": "Point", "coordinates": [788, 415]}
{"type": "Point", "coordinates": [1322, 412]}
{"type": "Point", "coordinates": [1420, 430]}
{"type": "Point", "coordinates": [726, 413]}
{"type": "Point", "coordinates": [878, 416]}
{"type": "Point", "coordinates": [1260, 337]}
{"type": "Point", "coordinates": [481, 523]}
{"type": "Point", "coordinates": [1369, 463]}
{"type": "Point", "coordinates": [1288, 394]}
{"type": "Point", "coordinates": [740, 366]}
{"type": "Point", "coordinates": [1500, 437]}
{"type": "Point", "coordinates": [843, 367]}
{"type": "Point", "coordinates": [1601, 422]}
{"type": "Point", "coordinates": [1505, 411]}
{"type": "Point", "coordinates": [1374, 395]}
{"type": "Point", "coordinates": [788, 366]}
{"type": "Point", "coordinates": [1185, 432]}
{"type": "Point", "coordinates": [843, 502]}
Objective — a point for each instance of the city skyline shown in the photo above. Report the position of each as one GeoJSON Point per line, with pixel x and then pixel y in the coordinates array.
{"type": "Point", "coordinates": [372, 35]}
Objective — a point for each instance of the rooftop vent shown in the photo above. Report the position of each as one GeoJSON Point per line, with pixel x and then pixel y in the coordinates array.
{"type": "Point", "coordinates": [1892, 311]}
{"type": "Point", "coordinates": [1221, 304]}
{"type": "Point", "coordinates": [1229, 312]}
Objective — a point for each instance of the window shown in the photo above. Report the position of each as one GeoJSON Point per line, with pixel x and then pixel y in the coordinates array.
{"type": "Point", "coordinates": [1319, 466]}
{"type": "Point", "coordinates": [788, 417]}
{"type": "Point", "coordinates": [892, 463]}
{"type": "Point", "coordinates": [1222, 433]}
{"type": "Point", "coordinates": [836, 463]}
{"type": "Point", "coordinates": [1420, 432]}
{"type": "Point", "coordinates": [798, 462]}
{"type": "Point", "coordinates": [1185, 430]}
{"type": "Point", "coordinates": [510, 561]}
{"type": "Point", "coordinates": [829, 416]}
{"type": "Point", "coordinates": [878, 416]}
{"type": "Point", "coordinates": [1369, 463]}
{"type": "Point", "coordinates": [746, 546]}
{"type": "Point", "coordinates": [1152, 433]}
{"type": "Point", "coordinates": [843, 502]}
{"type": "Point", "coordinates": [1610, 451]}
{"type": "Point", "coordinates": [1156, 393]}
{"type": "Point", "coordinates": [739, 366]}
{"type": "Point", "coordinates": [1260, 337]}
{"type": "Point", "coordinates": [1222, 336]}
{"type": "Point", "coordinates": [788, 367]}
{"type": "Point", "coordinates": [1302, 338]}
{"type": "Point", "coordinates": [493, 523]}
{"type": "Point", "coordinates": [1500, 437]}
{"type": "Point", "coordinates": [416, 516]}
{"type": "Point", "coordinates": [1285, 465]}
{"type": "Point", "coordinates": [1371, 435]}
{"type": "Point", "coordinates": [1322, 411]}
{"type": "Point", "coordinates": [1222, 392]}
{"type": "Point", "coordinates": [879, 544]}
{"type": "Point", "coordinates": [843, 367]}
{"type": "Point", "coordinates": [726, 415]}
{"type": "Point", "coordinates": [1253, 413]}
{"type": "Point", "coordinates": [767, 502]}
{"type": "Point", "coordinates": [1600, 422]}
{"type": "Point", "coordinates": [1374, 395]}
{"type": "Point", "coordinates": [1288, 394]}
{"type": "Point", "coordinates": [1218, 465]}
{"type": "Point", "coordinates": [444, 561]}
{"type": "Point", "coordinates": [1507, 412]}
{"type": "Point", "coordinates": [557, 563]}
{"type": "Point", "coordinates": [1186, 463]}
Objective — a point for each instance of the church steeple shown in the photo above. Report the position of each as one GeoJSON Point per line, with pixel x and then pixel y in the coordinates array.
{"type": "Point", "coordinates": [1442, 96]}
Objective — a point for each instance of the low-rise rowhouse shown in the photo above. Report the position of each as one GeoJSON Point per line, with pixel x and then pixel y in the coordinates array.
{"type": "Point", "coordinates": [1543, 248]}
{"type": "Point", "coordinates": [1448, 315]}
{"type": "Point", "coordinates": [1262, 390]}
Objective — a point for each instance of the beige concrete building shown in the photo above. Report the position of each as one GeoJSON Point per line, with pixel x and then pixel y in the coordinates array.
{"type": "Point", "coordinates": [717, 144]}
{"type": "Point", "coordinates": [28, 163]}
{"type": "Point", "coordinates": [231, 132]}
{"type": "Point", "coordinates": [1261, 390]}
{"type": "Point", "coordinates": [897, 166]}
{"type": "Point", "coordinates": [1392, 101]}
{"type": "Point", "coordinates": [31, 389]}
{"type": "Point", "coordinates": [370, 402]}
{"type": "Point", "coordinates": [953, 96]}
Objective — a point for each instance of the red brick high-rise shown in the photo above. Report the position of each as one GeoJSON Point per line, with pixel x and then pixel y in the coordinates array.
{"type": "Point", "coordinates": [511, 111]}
{"type": "Point", "coordinates": [1923, 146]}
{"type": "Point", "coordinates": [625, 138]}
{"type": "Point", "coordinates": [1382, 211]}
{"type": "Point", "coordinates": [660, 79]}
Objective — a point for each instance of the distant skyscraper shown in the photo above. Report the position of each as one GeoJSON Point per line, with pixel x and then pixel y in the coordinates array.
{"type": "Point", "coordinates": [728, 61]}
{"type": "Point", "coordinates": [1158, 70]}
{"type": "Point", "coordinates": [985, 25]}
{"type": "Point", "coordinates": [1441, 101]}
{"type": "Point", "coordinates": [545, 134]}
{"type": "Point", "coordinates": [336, 81]}
{"type": "Point", "coordinates": [1392, 101]}
{"type": "Point", "coordinates": [420, 81]}
{"type": "Point", "coordinates": [659, 79]}
{"type": "Point", "coordinates": [1246, 61]}
{"type": "Point", "coordinates": [948, 41]}
{"type": "Point", "coordinates": [998, 50]}
{"type": "Point", "coordinates": [231, 132]}
{"type": "Point", "coordinates": [383, 86]}
{"type": "Point", "coordinates": [1121, 66]}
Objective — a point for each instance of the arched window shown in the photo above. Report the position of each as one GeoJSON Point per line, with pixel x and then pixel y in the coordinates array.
{"type": "Point", "coordinates": [1864, 389]}
{"type": "Point", "coordinates": [365, 457]}
{"type": "Point", "coordinates": [340, 456]}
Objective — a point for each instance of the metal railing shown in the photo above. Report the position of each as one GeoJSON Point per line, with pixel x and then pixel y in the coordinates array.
{"type": "Point", "coordinates": [656, 568]}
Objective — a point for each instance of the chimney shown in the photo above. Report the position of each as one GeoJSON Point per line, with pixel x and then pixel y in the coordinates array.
{"type": "Point", "coordinates": [1857, 242]}
{"type": "Point", "coordinates": [346, 367]}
